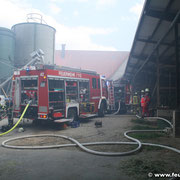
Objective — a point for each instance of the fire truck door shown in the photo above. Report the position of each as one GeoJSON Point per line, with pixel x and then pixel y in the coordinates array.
{"type": "Point", "coordinates": [95, 89]}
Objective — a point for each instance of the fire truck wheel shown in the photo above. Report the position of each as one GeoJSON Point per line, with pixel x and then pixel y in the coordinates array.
{"type": "Point", "coordinates": [72, 114]}
{"type": "Point", "coordinates": [101, 111]}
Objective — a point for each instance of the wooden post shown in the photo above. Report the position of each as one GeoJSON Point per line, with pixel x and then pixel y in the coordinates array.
{"type": "Point", "coordinates": [157, 75]}
{"type": "Point", "coordinates": [177, 65]}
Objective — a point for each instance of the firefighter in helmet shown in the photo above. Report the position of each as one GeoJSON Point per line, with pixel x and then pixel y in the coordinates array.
{"type": "Point", "coordinates": [142, 93]}
{"type": "Point", "coordinates": [142, 100]}
{"type": "Point", "coordinates": [135, 103]}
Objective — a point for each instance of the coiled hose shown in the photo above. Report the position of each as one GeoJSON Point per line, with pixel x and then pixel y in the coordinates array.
{"type": "Point", "coordinates": [82, 145]}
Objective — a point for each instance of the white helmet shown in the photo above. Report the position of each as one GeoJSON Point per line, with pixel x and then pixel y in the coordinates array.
{"type": "Point", "coordinates": [146, 90]}
{"type": "Point", "coordinates": [142, 91]}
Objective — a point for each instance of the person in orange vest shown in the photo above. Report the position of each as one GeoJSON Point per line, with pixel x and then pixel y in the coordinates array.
{"type": "Point", "coordinates": [145, 101]}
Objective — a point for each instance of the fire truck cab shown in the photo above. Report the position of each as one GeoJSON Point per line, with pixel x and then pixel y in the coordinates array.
{"type": "Point", "coordinates": [59, 93]}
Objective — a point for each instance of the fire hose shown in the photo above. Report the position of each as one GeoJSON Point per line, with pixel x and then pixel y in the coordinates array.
{"type": "Point", "coordinates": [119, 107]}
{"type": "Point", "coordinates": [17, 121]}
{"type": "Point", "coordinates": [82, 145]}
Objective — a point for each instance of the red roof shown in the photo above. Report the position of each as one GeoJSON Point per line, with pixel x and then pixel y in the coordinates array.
{"type": "Point", "coordinates": [103, 62]}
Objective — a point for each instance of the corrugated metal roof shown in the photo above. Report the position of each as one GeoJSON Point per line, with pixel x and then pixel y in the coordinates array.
{"type": "Point", "coordinates": [155, 34]}
{"type": "Point", "coordinates": [155, 20]}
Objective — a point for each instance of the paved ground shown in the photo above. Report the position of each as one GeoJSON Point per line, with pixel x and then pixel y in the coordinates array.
{"type": "Point", "coordinates": [72, 163]}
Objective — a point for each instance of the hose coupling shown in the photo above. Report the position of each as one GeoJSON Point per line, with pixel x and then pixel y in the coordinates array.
{"type": "Point", "coordinates": [168, 130]}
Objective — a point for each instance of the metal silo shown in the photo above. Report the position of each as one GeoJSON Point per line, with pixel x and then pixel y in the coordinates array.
{"type": "Point", "coordinates": [7, 45]}
{"type": "Point", "coordinates": [30, 37]}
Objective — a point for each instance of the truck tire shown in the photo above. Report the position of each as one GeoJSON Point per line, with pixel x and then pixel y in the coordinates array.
{"type": "Point", "coordinates": [101, 111]}
{"type": "Point", "coordinates": [72, 114]}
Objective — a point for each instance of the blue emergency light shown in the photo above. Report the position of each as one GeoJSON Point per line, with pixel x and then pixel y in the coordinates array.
{"type": "Point", "coordinates": [27, 69]}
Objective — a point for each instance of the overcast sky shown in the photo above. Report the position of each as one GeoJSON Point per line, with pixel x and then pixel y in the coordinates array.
{"type": "Point", "coordinates": [81, 24]}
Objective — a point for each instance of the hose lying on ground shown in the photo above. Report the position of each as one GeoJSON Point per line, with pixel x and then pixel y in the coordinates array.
{"type": "Point", "coordinates": [82, 145]}
{"type": "Point", "coordinates": [119, 107]}
{"type": "Point", "coordinates": [160, 118]}
{"type": "Point", "coordinates": [17, 122]}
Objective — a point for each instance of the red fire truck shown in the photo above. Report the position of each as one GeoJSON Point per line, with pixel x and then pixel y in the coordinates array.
{"type": "Point", "coordinates": [59, 93]}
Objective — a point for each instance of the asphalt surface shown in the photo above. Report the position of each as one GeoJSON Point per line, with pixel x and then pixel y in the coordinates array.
{"type": "Point", "coordinates": [74, 164]}
{"type": "Point", "coordinates": [65, 164]}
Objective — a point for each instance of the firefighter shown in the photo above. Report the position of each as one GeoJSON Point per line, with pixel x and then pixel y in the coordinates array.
{"type": "Point", "coordinates": [145, 101]}
{"type": "Point", "coordinates": [142, 93]}
{"type": "Point", "coordinates": [142, 103]}
{"type": "Point", "coordinates": [9, 105]}
{"type": "Point", "coordinates": [135, 103]}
